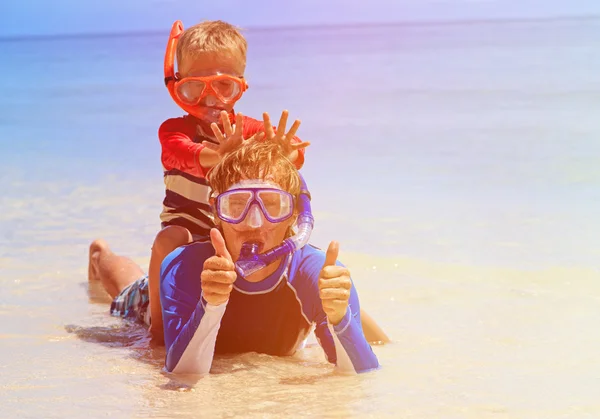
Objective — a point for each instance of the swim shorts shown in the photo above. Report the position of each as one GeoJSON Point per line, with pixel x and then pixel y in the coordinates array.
{"type": "Point", "coordinates": [132, 303]}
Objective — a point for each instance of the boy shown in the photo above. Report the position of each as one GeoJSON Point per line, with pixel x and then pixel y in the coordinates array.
{"type": "Point", "coordinates": [211, 59]}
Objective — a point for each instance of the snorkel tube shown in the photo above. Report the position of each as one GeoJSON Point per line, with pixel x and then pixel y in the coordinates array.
{"type": "Point", "coordinates": [171, 77]}
{"type": "Point", "coordinates": [169, 65]}
{"type": "Point", "coordinates": [251, 260]}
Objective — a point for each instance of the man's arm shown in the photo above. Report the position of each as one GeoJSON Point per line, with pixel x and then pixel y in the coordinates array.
{"type": "Point", "coordinates": [344, 343]}
{"type": "Point", "coordinates": [191, 325]}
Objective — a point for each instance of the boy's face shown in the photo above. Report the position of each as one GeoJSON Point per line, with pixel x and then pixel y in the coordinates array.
{"type": "Point", "coordinates": [211, 64]}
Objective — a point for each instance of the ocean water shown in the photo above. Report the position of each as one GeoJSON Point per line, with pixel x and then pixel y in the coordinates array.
{"type": "Point", "coordinates": [456, 164]}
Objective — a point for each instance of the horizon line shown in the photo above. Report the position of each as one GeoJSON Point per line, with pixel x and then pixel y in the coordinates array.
{"type": "Point", "coordinates": [300, 27]}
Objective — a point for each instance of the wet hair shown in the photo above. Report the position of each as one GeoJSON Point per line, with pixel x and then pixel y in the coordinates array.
{"type": "Point", "coordinates": [262, 160]}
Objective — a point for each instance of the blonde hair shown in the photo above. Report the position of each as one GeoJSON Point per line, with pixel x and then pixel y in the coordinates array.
{"type": "Point", "coordinates": [211, 36]}
{"type": "Point", "coordinates": [255, 160]}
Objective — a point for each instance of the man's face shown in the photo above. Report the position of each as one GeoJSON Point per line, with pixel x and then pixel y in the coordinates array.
{"type": "Point", "coordinates": [255, 227]}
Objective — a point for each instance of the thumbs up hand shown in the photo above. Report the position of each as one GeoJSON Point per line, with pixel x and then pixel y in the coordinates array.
{"type": "Point", "coordinates": [334, 286]}
{"type": "Point", "coordinates": [218, 274]}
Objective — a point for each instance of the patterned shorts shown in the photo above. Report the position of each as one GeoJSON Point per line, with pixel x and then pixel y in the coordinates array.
{"type": "Point", "coordinates": [132, 303]}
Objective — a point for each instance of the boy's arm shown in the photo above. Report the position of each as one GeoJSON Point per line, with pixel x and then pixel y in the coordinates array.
{"type": "Point", "coordinates": [180, 152]}
{"type": "Point", "coordinates": [191, 325]}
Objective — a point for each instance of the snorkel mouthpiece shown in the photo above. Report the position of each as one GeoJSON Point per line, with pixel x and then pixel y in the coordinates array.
{"type": "Point", "coordinates": [250, 250]}
{"type": "Point", "coordinates": [209, 114]}
{"type": "Point", "coordinates": [251, 260]}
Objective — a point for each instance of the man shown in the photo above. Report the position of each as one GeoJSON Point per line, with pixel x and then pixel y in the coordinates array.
{"type": "Point", "coordinates": [208, 307]}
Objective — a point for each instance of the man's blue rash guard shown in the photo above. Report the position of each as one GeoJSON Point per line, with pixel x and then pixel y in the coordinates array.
{"type": "Point", "coordinates": [273, 316]}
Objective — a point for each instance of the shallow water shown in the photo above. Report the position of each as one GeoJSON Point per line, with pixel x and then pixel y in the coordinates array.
{"type": "Point", "coordinates": [457, 166]}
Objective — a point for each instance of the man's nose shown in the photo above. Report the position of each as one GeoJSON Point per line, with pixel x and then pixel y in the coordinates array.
{"type": "Point", "coordinates": [254, 218]}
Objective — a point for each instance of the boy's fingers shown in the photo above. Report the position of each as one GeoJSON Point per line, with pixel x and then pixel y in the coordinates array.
{"type": "Point", "coordinates": [282, 124]}
{"type": "Point", "coordinates": [217, 132]}
{"type": "Point", "coordinates": [268, 127]}
{"type": "Point", "coordinates": [299, 146]}
{"type": "Point", "coordinates": [226, 124]}
{"type": "Point", "coordinates": [292, 132]}
{"type": "Point", "coordinates": [239, 125]}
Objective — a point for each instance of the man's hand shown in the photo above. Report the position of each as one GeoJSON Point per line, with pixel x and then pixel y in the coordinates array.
{"type": "Point", "coordinates": [334, 286]}
{"type": "Point", "coordinates": [218, 274]}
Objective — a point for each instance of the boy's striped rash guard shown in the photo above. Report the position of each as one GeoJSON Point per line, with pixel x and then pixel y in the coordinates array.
{"type": "Point", "coordinates": [187, 193]}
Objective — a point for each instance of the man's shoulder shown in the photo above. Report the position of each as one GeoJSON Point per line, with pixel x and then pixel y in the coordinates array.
{"type": "Point", "coordinates": [189, 257]}
{"type": "Point", "coordinates": [181, 270]}
{"type": "Point", "coordinates": [311, 252]}
{"type": "Point", "coordinates": [307, 263]}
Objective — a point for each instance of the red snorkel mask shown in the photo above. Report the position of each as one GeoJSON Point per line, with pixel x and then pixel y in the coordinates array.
{"type": "Point", "coordinates": [189, 92]}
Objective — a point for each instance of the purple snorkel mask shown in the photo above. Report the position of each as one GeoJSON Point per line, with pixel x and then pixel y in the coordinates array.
{"type": "Point", "coordinates": [276, 205]}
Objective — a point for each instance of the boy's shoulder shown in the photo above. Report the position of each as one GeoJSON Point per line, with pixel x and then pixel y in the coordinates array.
{"type": "Point", "coordinates": [182, 124]}
{"type": "Point", "coordinates": [247, 118]}
{"type": "Point", "coordinates": [252, 125]}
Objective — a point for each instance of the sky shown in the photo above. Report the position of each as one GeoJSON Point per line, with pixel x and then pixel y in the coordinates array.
{"type": "Point", "coordinates": [56, 17]}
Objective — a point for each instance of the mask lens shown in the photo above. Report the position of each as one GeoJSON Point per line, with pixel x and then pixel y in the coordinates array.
{"type": "Point", "coordinates": [227, 88]}
{"type": "Point", "coordinates": [190, 91]}
{"type": "Point", "coordinates": [277, 204]}
{"type": "Point", "coordinates": [232, 205]}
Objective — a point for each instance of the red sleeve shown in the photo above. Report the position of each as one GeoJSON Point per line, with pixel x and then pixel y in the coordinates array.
{"type": "Point", "coordinates": [178, 150]}
{"type": "Point", "coordinates": [253, 126]}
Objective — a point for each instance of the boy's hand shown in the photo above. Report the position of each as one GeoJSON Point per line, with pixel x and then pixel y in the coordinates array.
{"type": "Point", "coordinates": [284, 139]}
{"type": "Point", "coordinates": [334, 286]}
{"type": "Point", "coordinates": [231, 137]}
{"type": "Point", "coordinates": [218, 273]}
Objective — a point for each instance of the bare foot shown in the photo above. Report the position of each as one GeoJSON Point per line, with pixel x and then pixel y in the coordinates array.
{"type": "Point", "coordinates": [96, 292]}
{"type": "Point", "coordinates": [96, 248]}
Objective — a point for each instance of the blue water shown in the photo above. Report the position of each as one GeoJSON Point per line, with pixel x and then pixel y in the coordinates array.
{"type": "Point", "coordinates": [470, 136]}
